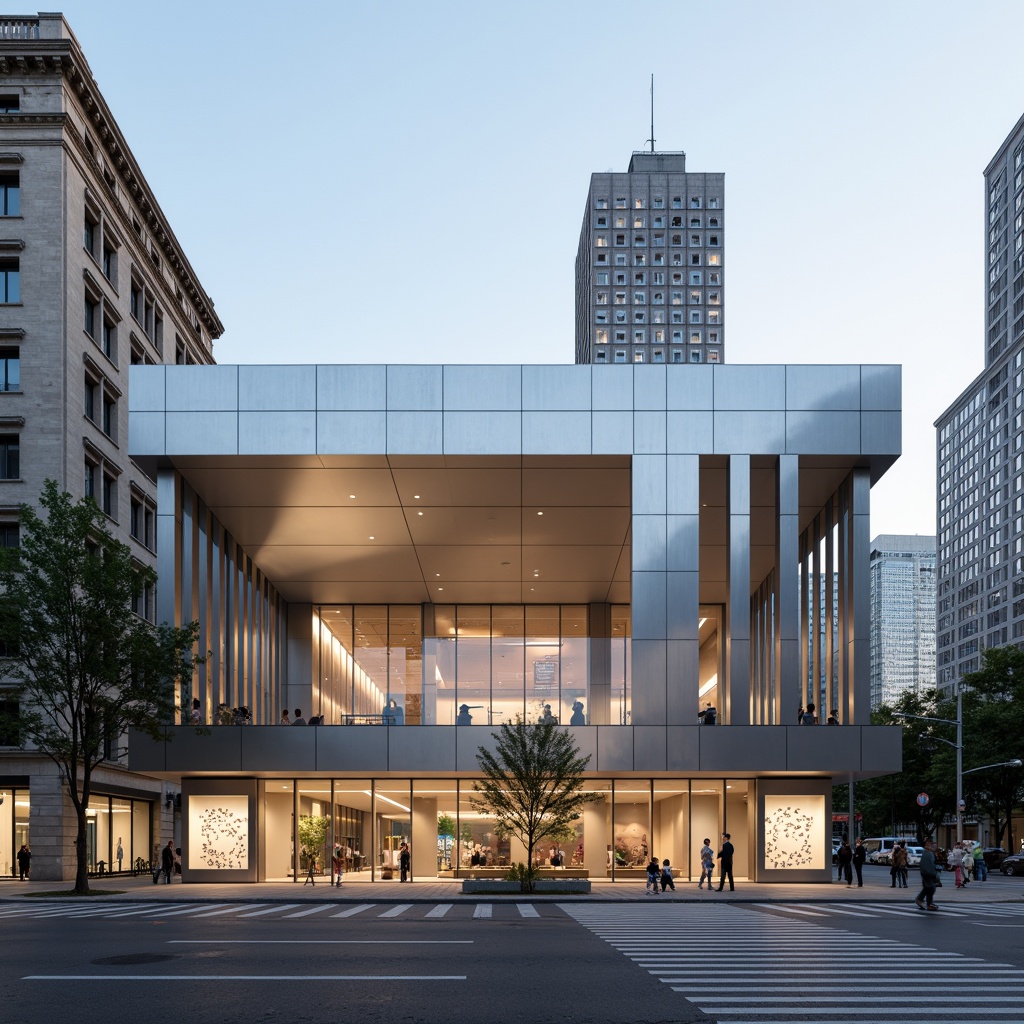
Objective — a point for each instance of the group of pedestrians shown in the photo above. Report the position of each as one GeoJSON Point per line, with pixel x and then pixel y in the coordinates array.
{"type": "Point", "coordinates": [662, 872]}
{"type": "Point", "coordinates": [849, 860]}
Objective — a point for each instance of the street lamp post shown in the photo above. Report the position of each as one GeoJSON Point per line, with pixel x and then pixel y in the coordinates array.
{"type": "Point", "coordinates": [959, 747]}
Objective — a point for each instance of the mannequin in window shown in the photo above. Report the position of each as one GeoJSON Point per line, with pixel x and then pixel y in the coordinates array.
{"type": "Point", "coordinates": [578, 717]}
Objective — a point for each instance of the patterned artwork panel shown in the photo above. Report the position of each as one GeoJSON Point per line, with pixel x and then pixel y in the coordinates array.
{"type": "Point", "coordinates": [794, 832]}
{"type": "Point", "coordinates": [218, 833]}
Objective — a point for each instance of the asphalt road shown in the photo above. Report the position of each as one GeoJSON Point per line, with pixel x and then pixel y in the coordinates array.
{"type": "Point", "coordinates": [452, 969]}
{"type": "Point", "coordinates": [833, 961]}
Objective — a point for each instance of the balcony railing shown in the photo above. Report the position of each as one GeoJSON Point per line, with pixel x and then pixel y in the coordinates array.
{"type": "Point", "coordinates": [19, 28]}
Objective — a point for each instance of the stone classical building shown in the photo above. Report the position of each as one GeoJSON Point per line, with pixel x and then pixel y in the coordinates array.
{"type": "Point", "coordinates": [650, 268]}
{"type": "Point", "coordinates": [419, 553]}
{"type": "Point", "coordinates": [92, 280]}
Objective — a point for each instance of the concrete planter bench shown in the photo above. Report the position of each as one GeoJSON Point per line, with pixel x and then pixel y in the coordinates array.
{"type": "Point", "coordinates": [498, 886]}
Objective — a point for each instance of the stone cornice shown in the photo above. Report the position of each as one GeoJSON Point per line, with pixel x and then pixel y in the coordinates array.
{"type": "Point", "coordinates": [63, 57]}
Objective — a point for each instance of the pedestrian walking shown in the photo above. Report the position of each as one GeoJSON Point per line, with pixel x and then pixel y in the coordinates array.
{"type": "Point", "coordinates": [24, 863]}
{"type": "Point", "coordinates": [119, 853]}
{"type": "Point", "coordinates": [725, 855]}
{"type": "Point", "coordinates": [929, 878]}
{"type": "Point", "coordinates": [707, 865]}
{"type": "Point", "coordinates": [666, 876]}
{"type": "Point", "coordinates": [338, 864]}
{"type": "Point", "coordinates": [167, 860]}
{"type": "Point", "coordinates": [653, 875]}
{"type": "Point", "coordinates": [844, 859]}
{"type": "Point", "coordinates": [859, 856]}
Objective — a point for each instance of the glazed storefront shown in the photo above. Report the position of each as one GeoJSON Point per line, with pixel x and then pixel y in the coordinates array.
{"type": "Point", "coordinates": [253, 829]}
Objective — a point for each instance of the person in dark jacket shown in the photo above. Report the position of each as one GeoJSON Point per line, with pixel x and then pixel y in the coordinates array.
{"type": "Point", "coordinates": [404, 862]}
{"type": "Point", "coordinates": [843, 861]}
{"type": "Point", "coordinates": [859, 856]}
{"type": "Point", "coordinates": [929, 878]}
{"type": "Point", "coordinates": [24, 862]}
{"type": "Point", "coordinates": [725, 855]}
{"type": "Point", "coordinates": [167, 860]}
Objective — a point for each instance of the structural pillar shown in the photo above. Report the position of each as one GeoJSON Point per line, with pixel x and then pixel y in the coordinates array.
{"type": "Point", "coordinates": [737, 608]}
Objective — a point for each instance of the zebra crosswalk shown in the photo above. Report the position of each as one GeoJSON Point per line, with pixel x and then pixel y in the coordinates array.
{"type": "Point", "coordinates": [10, 913]}
{"type": "Point", "coordinates": [837, 910]}
{"type": "Point", "coordinates": [740, 965]}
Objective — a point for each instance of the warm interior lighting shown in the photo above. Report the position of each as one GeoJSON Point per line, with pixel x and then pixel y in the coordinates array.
{"type": "Point", "coordinates": [709, 685]}
{"type": "Point", "coordinates": [380, 796]}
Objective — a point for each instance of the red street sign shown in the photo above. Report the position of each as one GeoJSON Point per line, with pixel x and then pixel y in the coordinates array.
{"type": "Point", "coordinates": [922, 799]}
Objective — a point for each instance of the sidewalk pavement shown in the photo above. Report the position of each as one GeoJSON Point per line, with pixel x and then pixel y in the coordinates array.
{"type": "Point", "coordinates": [998, 889]}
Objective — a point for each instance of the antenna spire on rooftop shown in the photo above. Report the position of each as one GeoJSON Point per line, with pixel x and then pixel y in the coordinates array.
{"type": "Point", "coordinates": [651, 139]}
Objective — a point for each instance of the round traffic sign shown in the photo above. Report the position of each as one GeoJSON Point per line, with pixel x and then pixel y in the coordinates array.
{"type": "Point", "coordinates": [922, 799]}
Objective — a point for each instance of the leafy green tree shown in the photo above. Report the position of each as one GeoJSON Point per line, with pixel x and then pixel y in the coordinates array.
{"type": "Point", "coordinates": [532, 785]}
{"type": "Point", "coordinates": [993, 718]}
{"type": "Point", "coordinates": [313, 829]}
{"type": "Point", "coordinates": [88, 668]}
{"type": "Point", "coordinates": [889, 804]}
{"type": "Point", "coordinates": [446, 825]}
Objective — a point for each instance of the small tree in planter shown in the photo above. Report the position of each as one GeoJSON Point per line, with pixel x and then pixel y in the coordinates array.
{"type": "Point", "coordinates": [445, 838]}
{"type": "Point", "coordinates": [313, 829]}
{"type": "Point", "coordinates": [532, 786]}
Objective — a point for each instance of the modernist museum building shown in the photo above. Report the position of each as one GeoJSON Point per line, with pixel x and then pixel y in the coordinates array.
{"type": "Point", "coordinates": [413, 555]}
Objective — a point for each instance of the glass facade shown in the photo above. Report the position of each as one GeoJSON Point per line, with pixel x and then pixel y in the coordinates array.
{"type": "Point", "coordinates": [450, 836]}
{"type": "Point", "coordinates": [14, 806]}
{"type": "Point", "coordinates": [118, 835]}
{"type": "Point", "coordinates": [471, 664]}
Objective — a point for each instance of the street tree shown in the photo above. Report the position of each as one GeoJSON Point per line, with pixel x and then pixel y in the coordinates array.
{"type": "Point", "coordinates": [889, 804]}
{"type": "Point", "coordinates": [87, 667]}
{"type": "Point", "coordinates": [993, 729]}
{"type": "Point", "coordinates": [532, 785]}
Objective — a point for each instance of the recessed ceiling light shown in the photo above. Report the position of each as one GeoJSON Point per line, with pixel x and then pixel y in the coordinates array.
{"type": "Point", "coordinates": [351, 495]}
{"type": "Point", "coordinates": [416, 496]}
{"type": "Point", "coordinates": [373, 538]}
{"type": "Point", "coordinates": [419, 513]}
{"type": "Point", "coordinates": [437, 574]}
{"type": "Point", "coordinates": [540, 513]}
{"type": "Point", "coordinates": [440, 589]}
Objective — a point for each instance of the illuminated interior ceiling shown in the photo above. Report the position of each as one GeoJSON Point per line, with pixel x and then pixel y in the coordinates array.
{"type": "Point", "coordinates": [378, 529]}
{"type": "Point", "coordinates": [406, 530]}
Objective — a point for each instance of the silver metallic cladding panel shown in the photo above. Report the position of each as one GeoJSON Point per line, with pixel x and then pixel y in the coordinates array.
{"type": "Point", "coordinates": [529, 410]}
{"type": "Point", "coordinates": [722, 750]}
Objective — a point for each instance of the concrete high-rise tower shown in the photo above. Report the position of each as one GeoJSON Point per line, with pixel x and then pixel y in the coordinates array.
{"type": "Point", "coordinates": [650, 275]}
{"type": "Point", "coordinates": [980, 451]}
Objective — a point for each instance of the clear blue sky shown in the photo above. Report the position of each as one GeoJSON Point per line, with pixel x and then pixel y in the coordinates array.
{"type": "Point", "coordinates": [404, 182]}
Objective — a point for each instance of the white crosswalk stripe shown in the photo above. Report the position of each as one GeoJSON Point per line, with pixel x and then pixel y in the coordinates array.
{"type": "Point", "coordinates": [1001, 911]}
{"type": "Point", "coordinates": [787, 967]}
{"type": "Point", "coordinates": [273, 911]}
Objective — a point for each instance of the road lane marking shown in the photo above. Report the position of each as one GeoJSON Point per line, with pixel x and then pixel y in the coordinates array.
{"type": "Point", "coordinates": [440, 910]}
{"type": "Point", "coordinates": [310, 911]}
{"type": "Point", "coordinates": [270, 910]}
{"type": "Point", "coordinates": [482, 910]}
{"type": "Point", "coordinates": [527, 910]}
{"type": "Point", "coordinates": [246, 977]}
{"type": "Point", "coordinates": [352, 911]}
{"type": "Point", "coordinates": [230, 910]}
{"type": "Point", "coordinates": [320, 942]}
{"type": "Point", "coordinates": [396, 911]}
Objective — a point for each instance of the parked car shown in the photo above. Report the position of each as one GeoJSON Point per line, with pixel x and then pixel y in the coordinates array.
{"type": "Point", "coordinates": [914, 856]}
{"type": "Point", "coordinates": [994, 856]}
{"type": "Point", "coordinates": [1013, 864]}
{"type": "Point", "coordinates": [881, 857]}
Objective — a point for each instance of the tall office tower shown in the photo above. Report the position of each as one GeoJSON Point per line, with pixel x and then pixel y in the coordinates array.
{"type": "Point", "coordinates": [980, 451]}
{"type": "Point", "coordinates": [902, 616]}
{"type": "Point", "coordinates": [650, 274]}
{"type": "Point", "coordinates": [92, 279]}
